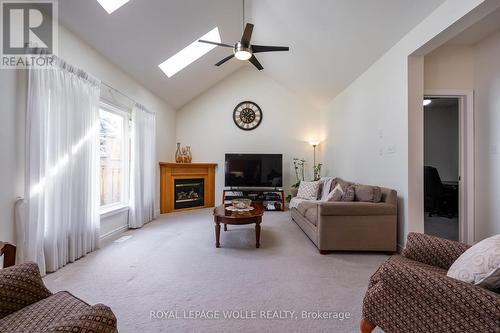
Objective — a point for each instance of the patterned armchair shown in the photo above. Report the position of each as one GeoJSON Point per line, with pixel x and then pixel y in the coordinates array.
{"type": "Point", "coordinates": [26, 305]}
{"type": "Point", "coordinates": [411, 293]}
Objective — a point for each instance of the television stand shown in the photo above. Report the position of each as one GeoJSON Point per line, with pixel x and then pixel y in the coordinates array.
{"type": "Point", "coordinates": [271, 199]}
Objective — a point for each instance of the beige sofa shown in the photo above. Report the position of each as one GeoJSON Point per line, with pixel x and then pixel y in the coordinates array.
{"type": "Point", "coordinates": [350, 226]}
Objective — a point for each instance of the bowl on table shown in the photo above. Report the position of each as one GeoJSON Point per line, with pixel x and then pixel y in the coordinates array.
{"type": "Point", "coordinates": [241, 203]}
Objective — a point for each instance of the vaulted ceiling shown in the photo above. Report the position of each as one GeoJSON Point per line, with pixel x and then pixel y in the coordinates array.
{"type": "Point", "coordinates": [331, 41]}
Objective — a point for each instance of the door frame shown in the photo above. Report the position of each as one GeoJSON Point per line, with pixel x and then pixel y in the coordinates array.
{"type": "Point", "coordinates": [466, 216]}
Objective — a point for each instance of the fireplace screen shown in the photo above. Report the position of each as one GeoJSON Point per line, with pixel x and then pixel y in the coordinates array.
{"type": "Point", "coordinates": [188, 193]}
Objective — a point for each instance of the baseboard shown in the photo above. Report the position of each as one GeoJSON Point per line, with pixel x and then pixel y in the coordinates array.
{"type": "Point", "coordinates": [109, 236]}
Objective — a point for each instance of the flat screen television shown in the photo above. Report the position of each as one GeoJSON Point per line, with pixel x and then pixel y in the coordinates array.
{"type": "Point", "coordinates": [254, 170]}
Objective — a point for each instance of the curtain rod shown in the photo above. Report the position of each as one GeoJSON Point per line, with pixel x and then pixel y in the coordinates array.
{"type": "Point", "coordinates": [130, 99]}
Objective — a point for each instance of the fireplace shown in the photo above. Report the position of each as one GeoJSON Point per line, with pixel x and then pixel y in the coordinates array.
{"type": "Point", "coordinates": [196, 177]}
{"type": "Point", "coordinates": [188, 193]}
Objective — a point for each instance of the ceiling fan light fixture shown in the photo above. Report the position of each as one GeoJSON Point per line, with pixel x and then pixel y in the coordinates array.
{"type": "Point", "coordinates": [242, 55]}
{"type": "Point", "coordinates": [242, 52]}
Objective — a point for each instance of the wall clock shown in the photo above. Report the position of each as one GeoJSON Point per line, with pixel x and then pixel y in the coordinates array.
{"type": "Point", "coordinates": [247, 115]}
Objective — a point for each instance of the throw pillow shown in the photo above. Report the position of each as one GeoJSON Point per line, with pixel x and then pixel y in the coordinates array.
{"type": "Point", "coordinates": [479, 264]}
{"type": "Point", "coordinates": [343, 183]}
{"type": "Point", "coordinates": [336, 194]}
{"type": "Point", "coordinates": [308, 190]}
{"type": "Point", "coordinates": [367, 193]}
{"type": "Point", "coordinates": [377, 194]}
{"type": "Point", "coordinates": [491, 281]}
{"type": "Point", "coordinates": [349, 193]}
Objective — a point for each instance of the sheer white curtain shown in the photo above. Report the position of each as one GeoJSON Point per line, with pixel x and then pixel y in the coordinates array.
{"type": "Point", "coordinates": [143, 167]}
{"type": "Point", "coordinates": [61, 223]}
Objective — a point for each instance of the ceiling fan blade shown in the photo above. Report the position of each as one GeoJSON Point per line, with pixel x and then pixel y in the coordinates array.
{"type": "Point", "coordinates": [247, 34]}
{"type": "Point", "coordinates": [213, 43]}
{"type": "Point", "coordinates": [264, 48]}
{"type": "Point", "coordinates": [256, 63]}
{"type": "Point", "coordinates": [224, 60]}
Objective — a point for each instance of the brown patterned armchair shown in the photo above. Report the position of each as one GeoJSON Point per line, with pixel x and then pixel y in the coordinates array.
{"type": "Point", "coordinates": [411, 293]}
{"type": "Point", "coordinates": [26, 305]}
{"type": "Point", "coordinates": [8, 251]}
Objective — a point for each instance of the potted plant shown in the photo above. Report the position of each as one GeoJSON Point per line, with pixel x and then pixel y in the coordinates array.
{"type": "Point", "coordinates": [317, 171]}
{"type": "Point", "coordinates": [298, 166]}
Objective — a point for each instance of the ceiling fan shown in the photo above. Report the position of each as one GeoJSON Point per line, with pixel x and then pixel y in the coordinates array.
{"type": "Point", "coordinates": [243, 50]}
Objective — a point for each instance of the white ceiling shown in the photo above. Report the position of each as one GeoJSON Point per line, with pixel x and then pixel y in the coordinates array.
{"type": "Point", "coordinates": [331, 41]}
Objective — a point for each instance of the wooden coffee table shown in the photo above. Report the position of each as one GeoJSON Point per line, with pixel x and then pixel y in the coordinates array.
{"type": "Point", "coordinates": [224, 216]}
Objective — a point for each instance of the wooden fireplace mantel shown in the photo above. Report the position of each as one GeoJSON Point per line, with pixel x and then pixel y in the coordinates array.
{"type": "Point", "coordinates": [171, 171]}
{"type": "Point", "coordinates": [187, 165]}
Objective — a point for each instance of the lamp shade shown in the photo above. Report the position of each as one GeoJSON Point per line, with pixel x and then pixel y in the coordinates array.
{"type": "Point", "coordinates": [314, 142]}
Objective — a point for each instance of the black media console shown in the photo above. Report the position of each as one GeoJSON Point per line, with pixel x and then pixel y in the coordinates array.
{"type": "Point", "coordinates": [270, 199]}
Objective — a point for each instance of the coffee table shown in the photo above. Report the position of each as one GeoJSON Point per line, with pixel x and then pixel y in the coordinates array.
{"type": "Point", "coordinates": [224, 216]}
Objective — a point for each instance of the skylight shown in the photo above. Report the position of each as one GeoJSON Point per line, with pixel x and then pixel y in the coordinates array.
{"type": "Point", "coordinates": [190, 53]}
{"type": "Point", "coordinates": [112, 5]}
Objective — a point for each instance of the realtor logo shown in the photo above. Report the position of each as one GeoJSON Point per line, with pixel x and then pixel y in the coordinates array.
{"type": "Point", "coordinates": [29, 33]}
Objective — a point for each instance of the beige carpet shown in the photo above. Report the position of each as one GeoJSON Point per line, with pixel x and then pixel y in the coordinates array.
{"type": "Point", "coordinates": [172, 265]}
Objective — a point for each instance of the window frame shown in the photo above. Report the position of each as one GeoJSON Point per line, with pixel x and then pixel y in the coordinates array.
{"type": "Point", "coordinates": [125, 195]}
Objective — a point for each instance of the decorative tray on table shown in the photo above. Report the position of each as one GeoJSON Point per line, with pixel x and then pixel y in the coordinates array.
{"type": "Point", "coordinates": [240, 205]}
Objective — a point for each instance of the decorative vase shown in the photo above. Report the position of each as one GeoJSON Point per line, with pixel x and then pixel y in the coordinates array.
{"type": "Point", "coordinates": [178, 154]}
{"type": "Point", "coordinates": [183, 155]}
{"type": "Point", "coordinates": [188, 154]}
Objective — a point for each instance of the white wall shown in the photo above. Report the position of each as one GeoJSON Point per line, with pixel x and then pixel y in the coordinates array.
{"type": "Point", "coordinates": [368, 123]}
{"type": "Point", "coordinates": [449, 67]}
{"type": "Point", "coordinates": [476, 67]}
{"type": "Point", "coordinates": [206, 124]}
{"type": "Point", "coordinates": [441, 140]}
{"type": "Point", "coordinates": [487, 144]}
{"type": "Point", "coordinates": [12, 115]}
{"type": "Point", "coordinates": [13, 96]}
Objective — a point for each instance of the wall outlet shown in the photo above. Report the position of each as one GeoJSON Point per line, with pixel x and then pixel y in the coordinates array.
{"type": "Point", "coordinates": [391, 149]}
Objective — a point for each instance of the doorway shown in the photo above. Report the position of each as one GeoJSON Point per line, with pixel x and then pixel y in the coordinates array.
{"type": "Point", "coordinates": [449, 165]}
{"type": "Point", "coordinates": [441, 165]}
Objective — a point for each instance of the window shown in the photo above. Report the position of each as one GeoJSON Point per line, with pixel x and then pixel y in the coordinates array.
{"type": "Point", "coordinates": [190, 53]}
{"type": "Point", "coordinates": [114, 153]}
{"type": "Point", "coordinates": [112, 5]}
